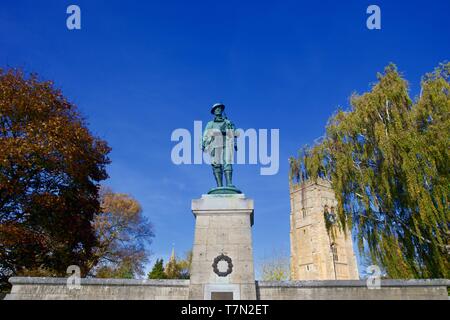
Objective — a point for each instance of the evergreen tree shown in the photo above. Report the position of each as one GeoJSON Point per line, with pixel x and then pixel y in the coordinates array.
{"type": "Point", "coordinates": [158, 270]}
{"type": "Point", "coordinates": [388, 160]}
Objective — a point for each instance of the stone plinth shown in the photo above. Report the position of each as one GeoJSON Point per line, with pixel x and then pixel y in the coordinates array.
{"type": "Point", "coordinates": [223, 229]}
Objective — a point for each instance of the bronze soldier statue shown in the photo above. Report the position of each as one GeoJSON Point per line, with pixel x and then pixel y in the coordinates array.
{"type": "Point", "coordinates": [219, 140]}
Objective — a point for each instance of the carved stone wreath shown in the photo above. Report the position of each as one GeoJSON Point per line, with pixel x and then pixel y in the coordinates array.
{"type": "Point", "coordinates": [228, 260]}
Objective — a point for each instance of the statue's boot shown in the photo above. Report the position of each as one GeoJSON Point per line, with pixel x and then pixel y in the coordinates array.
{"type": "Point", "coordinates": [219, 178]}
{"type": "Point", "coordinates": [229, 178]}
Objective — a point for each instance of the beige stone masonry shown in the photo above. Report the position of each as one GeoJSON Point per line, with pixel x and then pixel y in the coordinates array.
{"type": "Point", "coordinates": [312, 256]}
{"type": "Point", "coordinates": [223, 226]}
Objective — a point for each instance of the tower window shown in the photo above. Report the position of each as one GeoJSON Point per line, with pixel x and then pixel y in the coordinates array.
{"type": "Point", "coordinates": [304, 212]}
{"type": "Point", "coordinates": [334, 251]}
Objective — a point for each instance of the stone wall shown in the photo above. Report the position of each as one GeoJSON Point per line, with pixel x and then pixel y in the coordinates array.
{"type": "Point", "coordinates": [98, 289]}
{"type": "Point", "coordinates": [353, 290]}
{"type": "Point", "coordinates": [102, 289]}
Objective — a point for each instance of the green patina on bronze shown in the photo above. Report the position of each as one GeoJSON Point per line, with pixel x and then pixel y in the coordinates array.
{"type": "Point", "coordinates": [219, 140]}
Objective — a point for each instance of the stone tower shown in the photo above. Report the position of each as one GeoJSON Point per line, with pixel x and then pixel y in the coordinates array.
{"type": "Point", "coordinates": [315, 255]}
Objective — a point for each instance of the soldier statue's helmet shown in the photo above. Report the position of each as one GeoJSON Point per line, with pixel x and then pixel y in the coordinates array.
{"type": "Point", "coordinates": [217, 105]}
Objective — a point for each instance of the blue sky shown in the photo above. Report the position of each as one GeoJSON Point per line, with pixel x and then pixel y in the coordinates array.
{"type": "Point", "coordinates": [138, 70]}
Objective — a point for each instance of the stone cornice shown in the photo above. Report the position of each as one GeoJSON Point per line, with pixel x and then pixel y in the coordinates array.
{"type": "Point", "coordinates": [354, 283]}
{"type": "Point", "coordinates": [99, 282]}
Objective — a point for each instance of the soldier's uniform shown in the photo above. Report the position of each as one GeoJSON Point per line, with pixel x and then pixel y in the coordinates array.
{"type": "Point", "coordinates": [219, 142]}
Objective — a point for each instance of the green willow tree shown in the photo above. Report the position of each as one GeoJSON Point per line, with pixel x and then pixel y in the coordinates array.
{"type": "Point", "coordinates": [388, 160]}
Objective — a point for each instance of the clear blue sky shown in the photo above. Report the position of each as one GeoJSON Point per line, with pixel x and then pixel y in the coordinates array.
{"type": "Point", "coordinates": [140, 69]}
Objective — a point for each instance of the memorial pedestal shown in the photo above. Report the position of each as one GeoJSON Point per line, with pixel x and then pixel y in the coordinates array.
{"type": "Point", "coordinates": [222, 257]}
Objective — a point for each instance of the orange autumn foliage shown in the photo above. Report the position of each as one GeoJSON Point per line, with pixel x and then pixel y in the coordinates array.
{"type": "Point", "coordinates": [50, 169]}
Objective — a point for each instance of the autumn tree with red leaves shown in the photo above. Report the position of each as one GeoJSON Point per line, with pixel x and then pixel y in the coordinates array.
{"type": "Point", "coordinates": [50, 168]}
